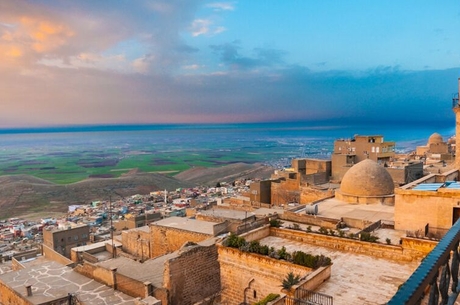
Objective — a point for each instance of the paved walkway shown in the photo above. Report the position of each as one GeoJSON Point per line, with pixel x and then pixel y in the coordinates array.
{"type": "Point", "coordinates": [355, 279]}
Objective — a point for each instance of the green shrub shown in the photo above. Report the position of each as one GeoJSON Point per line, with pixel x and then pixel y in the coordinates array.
{"type": "Point", "coordinates": [310, 261]}
{"type": "Point", "coordinates": [323, 230]}
{"type": "Point", "coordinates": [268, 298]}
{"type": "Point", "coordinates": [234, 241]}
{"type": "Point", "coordinates": [254, 246]}
{"type": "Point", "coordinates": [282, 253]}
{"type": "Point", "coordinates": [366, 236]}
{"type": "Point", "coordinates": [276, 223]}
{"type": "Point", "coordinates": [309, 229]}
{"type": "Point", "coordinates": [264, 250]}
{"type": "Point", "coordinates": [290, 280]}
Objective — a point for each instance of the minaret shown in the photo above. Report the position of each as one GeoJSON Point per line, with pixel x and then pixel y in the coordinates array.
{"type": "Point", "coordinates": [456, 108]}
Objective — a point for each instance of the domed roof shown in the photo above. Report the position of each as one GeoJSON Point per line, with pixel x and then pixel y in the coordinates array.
{"type": "Point", "coordinates": [451, 140]}
{"type": "Point", "coordinates": [435, 138]}
{"type": "Point", "coordinates": [367, 178]}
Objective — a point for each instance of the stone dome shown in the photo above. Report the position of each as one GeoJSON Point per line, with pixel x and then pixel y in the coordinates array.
{"type": "Point", "coordinates": [367, 178]}
{"type": "Point", "coordinates": [435, 138]}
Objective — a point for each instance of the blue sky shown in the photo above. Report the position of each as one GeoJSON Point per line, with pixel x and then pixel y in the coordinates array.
{"type": "Point", "coordinates": [188, 61]}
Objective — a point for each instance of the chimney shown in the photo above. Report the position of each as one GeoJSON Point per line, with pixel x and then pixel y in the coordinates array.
{"type": "Point", "coordinates": [29, 290]}
{"type": "Point", "coordinates": [148, 289]}
{"type": "Point", "coordinates": [114, 277]}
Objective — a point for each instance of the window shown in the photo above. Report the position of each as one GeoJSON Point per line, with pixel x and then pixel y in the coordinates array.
{"type": "Point", "coordinates": [75, 237]}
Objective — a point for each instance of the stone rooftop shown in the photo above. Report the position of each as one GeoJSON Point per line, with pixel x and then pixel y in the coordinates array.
{"type": "Point", "coordinates": [334, 208]}
{"type": "Point", "coordinates": [51, 280]}
{"type": "Point", "coordinates": [150, 270]}
{"type": "Point", "coordinates": [187, 224]}
{"type": "Point", "coordinates": [228, 214]}
{"type": "Point", "coordinates": [355, 278]}
{"type": "Point", "coordinates": [267, 212]}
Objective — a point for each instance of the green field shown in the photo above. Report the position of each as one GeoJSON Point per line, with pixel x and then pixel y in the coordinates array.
{"type": "Point", "coordinates": [73, 166]}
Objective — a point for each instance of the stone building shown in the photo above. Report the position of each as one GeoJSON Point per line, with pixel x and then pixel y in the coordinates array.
{"type": "Point", "coordinates": [170, 234]}
{"type": "Point", "coordinates": [65, 237]}
{"type": "Point", "coordinates": [436, 149]}
{"type": "Point", "coordinates": [135, 221]}
{"type": "Point", "coordinates": [46, 282]}
{"type": "Point", "coordinates": [366, 183]}
{"type": "Point", "coordinates": [351, 151]}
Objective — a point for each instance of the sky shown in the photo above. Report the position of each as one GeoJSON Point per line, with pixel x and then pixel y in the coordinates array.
{"type": "Point", "coordinates": [66, 62]}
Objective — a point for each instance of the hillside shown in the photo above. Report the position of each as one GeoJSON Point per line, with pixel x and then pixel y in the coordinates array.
{"type": "Point", "coordinates": [23, 194]}
{"type": "Point", "coordinates": [228, 173]}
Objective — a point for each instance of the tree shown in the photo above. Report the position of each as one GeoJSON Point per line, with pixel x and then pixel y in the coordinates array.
{"type": "Point", "coordinates": [290, 281]}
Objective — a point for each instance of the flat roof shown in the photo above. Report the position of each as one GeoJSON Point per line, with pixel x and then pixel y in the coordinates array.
{"type": "Point", "coordinates": [225, 213]}
{"type": "Point", "coordinates": [96, 246]}
{"type": "Point", "coordinates": [267, 212]}
{"type": "Point", "coordinates": [51, 280]}
{"type": "Point", "coordinates": [334, 208]}
{"type": "Point", "coordinates": [354, 277]}
{"type": "Point", "coordinates": [151, 270]}
{"type": "Point", "coordinates": [187, 224]}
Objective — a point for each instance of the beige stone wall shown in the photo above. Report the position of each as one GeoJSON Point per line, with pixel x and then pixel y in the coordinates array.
{"type": "Point", "coordinates": [309, 195]}
{"type": "Point", "coordinates": [250, 277]}
{"type": "Point", "coordinates": [411, 209]}
{"type": "Point", "coordinates": [136, 242]}
{"type": "Point", "coordinates": [50, 254]}
{"type": "Point", "coordinates": [392, 252]}
{"type": "Point", "coordinates": [285, 191]}
{"type": "Point", "coordinates": [129, 286]}
{"type": "Point", "coordinates": [257, 234]}
{"type": "Point", "coordinates": [166, 240]}
{"type": "Point", "coordinates": [9, 297]}
{"type": "Point", "coordinates": [198, 281]}
{"type": "Point", "coordinates": [328, 223]}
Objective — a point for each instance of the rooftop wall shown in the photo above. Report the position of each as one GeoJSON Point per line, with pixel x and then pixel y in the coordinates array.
{"type": "Point", "coordinates": [199, 280]}
{"type": "Point", "coordinates": [392, 252]}
{"type": "Point", "coordinates": [166, 239]}
{"type": "Point", "coordinates": [248, 277]}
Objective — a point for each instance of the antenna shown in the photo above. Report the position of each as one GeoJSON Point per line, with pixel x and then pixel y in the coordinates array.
{"type": "Point", "coordinates": [111, 225]}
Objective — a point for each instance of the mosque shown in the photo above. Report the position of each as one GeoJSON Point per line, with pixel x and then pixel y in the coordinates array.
{"type": "Point", "coordinates": [430, 204]}
{"type": "Point", "coordinates": [421, 194]}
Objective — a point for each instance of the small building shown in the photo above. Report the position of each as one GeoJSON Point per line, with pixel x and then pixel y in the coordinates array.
{"type": "Point", "coordinates": [429, 205]}
{"type": "Point", "coordinates": [135, 221]}
{"type": "Point", "coordinates": [436, 149]}
{"type": "Point", "coordinates": [170, 234]}
{"type": "Point", "coordinates": [348, 152]}
{"type": "Point", "coordinates": [237, 220]}
{"type": "Point", "coordinates": [48, 282]}
{"type": "Point", "coordinates": [62, 239]}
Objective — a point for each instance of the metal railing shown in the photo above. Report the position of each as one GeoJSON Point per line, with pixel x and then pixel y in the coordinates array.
{"type": "Point", "coordinates": [436, 275]}
{"type": "Point", "coordinates": [308, 297]}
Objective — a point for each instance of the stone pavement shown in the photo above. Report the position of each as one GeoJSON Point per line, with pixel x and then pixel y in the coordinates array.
{"type": "Point", "coordinates": [355, 279]}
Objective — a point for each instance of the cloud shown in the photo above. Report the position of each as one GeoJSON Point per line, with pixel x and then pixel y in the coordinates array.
{"type": "Point", "coordinates": [205, 27]}
{"type": "Point", "coordinates": [34, 33]}
{"type": "Point", "coordinates": [263, 57]}
{"type": "Point", "coordinates": [222, 6]}
{"type": "Point", "coordinates": [192, 67]}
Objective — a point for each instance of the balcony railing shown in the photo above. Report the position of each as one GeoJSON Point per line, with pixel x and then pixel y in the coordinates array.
{"type": "Point", "coordinates": [437, 275]}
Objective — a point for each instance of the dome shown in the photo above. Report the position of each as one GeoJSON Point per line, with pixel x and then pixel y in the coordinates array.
{"type": "Point", "coordinates": [367, 178]}
{"type": "Point", "coordinates": [451, 140]}
{"type": "Point", "coordinates": [435, 138]}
